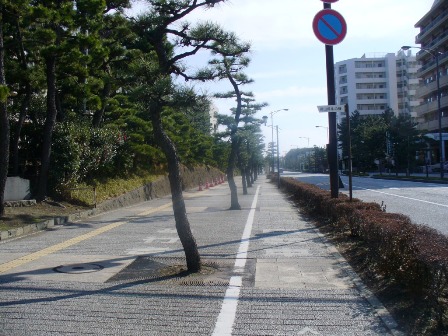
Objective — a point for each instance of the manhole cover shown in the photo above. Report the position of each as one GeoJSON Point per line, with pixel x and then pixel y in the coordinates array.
{"type": "Point", "coordinates": [78, 268]}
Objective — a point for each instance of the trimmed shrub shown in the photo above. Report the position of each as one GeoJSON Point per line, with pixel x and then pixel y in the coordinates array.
{"type": "Point", "coordinates": [414, 256]}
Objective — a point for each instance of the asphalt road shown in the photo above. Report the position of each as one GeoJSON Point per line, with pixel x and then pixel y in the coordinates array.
{"type": "Point", "coordinates": [424, 203]}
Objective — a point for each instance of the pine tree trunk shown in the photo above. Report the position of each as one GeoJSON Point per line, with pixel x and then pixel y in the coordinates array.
{"type": "Point", "coordinates": [4, 126]}
{"type": "Point", "coordinates": [243, 180]}
{"type": "Point", "coordinates": [234, 204]}
{"type": "Point", "coordinates": [248, 180]}
{"type": "Point", "coordinates": [25, 104]}
{"type": "Point", "coordinates": [186, 237]}
{"type": "Point", "coordinates": [50, 122]}
{"type": "Point", "coordinates": [18, 130]}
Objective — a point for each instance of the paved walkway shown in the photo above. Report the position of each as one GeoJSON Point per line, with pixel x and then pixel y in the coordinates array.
{"type": "Point", "coordinates": [267, 272]}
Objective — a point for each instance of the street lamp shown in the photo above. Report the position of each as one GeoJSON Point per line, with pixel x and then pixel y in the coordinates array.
{"type": "Point", "coordinates": [265, 118]}
{"type": "Point", "coordinates": [323, 127]}
{"type": "Point", "coordinates": [306, 138]}
{"type": "Point", "coordinates": [435, 54]}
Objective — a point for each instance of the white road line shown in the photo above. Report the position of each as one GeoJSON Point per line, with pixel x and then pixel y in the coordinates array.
{"type": "Point", "coordinates": [409, 198]}
{"type": "Point", "coordinates": [226, 318]}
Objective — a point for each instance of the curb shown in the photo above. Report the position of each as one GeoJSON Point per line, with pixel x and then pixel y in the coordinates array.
{"type": "Point", "coordinates": [45, 225]}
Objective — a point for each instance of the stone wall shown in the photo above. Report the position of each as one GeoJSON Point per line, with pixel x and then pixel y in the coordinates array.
{"type": "Point", "coordinates": [191, 177]}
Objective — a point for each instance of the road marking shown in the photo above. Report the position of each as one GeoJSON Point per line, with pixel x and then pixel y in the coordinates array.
{"type": "Point", "coordinates": [146, 250]}
{"type": "Point", "coordinates": [409, 198]}
{"type": "Point", "coordinates": [226, 317]}
{"type": "Point", "coordinates": [161, 240]}
{"type": "Point", "coordinates": [55, 248]}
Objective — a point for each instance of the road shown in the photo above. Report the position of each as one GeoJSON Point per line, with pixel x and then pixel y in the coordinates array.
{"type": "Point", "coordinates": [424, 203]}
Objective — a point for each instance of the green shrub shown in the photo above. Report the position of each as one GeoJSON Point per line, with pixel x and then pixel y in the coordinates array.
{"type": "Point", "coordinates": [416, 257]}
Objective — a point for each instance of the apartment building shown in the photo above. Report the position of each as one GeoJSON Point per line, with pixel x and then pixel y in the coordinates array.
{"type": "Point", "coordinates": [407, 83]}
{"type": "Point", "coordinates": [367, 84]}
{"type": "Point", "coordinates": [433, 57]}
{"type": "Point", "coordinates": [213, 112]}
{"type": "Point", "coordinates": [433, 39]}
{"type": "Point", "coordinates": [375, 82]}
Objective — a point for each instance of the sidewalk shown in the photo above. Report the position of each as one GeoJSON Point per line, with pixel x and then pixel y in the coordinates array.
{"type": "Point", "coordinates": [267, 271]}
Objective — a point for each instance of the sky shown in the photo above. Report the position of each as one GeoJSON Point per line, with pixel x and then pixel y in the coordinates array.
{"type": "Point", "coordinates": [288, 61]}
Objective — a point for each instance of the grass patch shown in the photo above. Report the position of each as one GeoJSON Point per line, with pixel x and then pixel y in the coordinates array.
{"type": "Point", "coordinates": [108, 188]}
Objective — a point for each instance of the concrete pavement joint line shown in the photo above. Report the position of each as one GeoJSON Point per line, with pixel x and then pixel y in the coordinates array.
{"type": "Point", "coordinates": [409, 198]}
{"type": "Point", "coordinates": [226, 318]}
{"type": "Point", "coordinates": [55, 248]}
{"type": "Point", "coordinates": [376, 304]}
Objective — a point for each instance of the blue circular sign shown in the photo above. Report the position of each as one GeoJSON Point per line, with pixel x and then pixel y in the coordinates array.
{"type": "Point", "coordinates": [329, 26]}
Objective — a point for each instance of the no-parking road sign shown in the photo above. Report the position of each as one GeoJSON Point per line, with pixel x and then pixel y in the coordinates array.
{"type": "Point", "coordinates": [329, 26]}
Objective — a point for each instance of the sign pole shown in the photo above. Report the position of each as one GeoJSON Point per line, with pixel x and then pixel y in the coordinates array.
{"type": "Point", "coordinates": [349, 140]}
{"type": "Point", "coordinates": [332, 152]}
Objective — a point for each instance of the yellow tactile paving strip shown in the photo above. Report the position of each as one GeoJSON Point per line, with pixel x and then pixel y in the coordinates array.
{"type": "Point", "coordinates": [58, 247]}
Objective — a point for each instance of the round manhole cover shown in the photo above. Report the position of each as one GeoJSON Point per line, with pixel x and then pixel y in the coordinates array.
{"type": "Point", "coordinates": [78, 268]}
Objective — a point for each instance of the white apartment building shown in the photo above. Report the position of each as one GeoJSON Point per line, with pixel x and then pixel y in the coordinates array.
{"type": "Point", "coordinates": [408, 82]}
{"type": "Point", "coordinates": [375, 82]}
{"type": "Point", "coordinates": [213, 112]}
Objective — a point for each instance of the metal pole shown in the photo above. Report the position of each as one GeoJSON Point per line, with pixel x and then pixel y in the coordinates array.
{"type": "Point", "coordinates": [272, 143]}
{"type": "Point", "coordinates": [332, 146]}
{"type": "Point", "coordinates": [442, 156]}
{"type": "Point", "coordinates": [278, 159]}
{"type": "Point", "coordinates": [350, 172]}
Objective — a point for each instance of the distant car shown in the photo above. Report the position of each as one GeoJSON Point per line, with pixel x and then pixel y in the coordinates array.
{"type": "Point", "coordinates": [281, 170]}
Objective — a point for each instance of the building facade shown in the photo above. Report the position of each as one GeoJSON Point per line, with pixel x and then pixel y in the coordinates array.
{"type": "Point", "coordinates": [373, 83]}
{"type": "Point", "coordinates": [407, 83]}
{"type": "Point", "coordinates": [433, 39]}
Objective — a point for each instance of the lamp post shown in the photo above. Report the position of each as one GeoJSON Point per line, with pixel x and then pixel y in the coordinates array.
{"type": "Point", "coordinates": [435, 54]}
{"type": "Point", "coordinates": [272, 137]}
{"type": "Point", "coordinates": [306, 138]}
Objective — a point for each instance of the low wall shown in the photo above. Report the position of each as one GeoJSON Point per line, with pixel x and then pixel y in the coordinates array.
{"type": "Point", "coordinates": [191, 177]}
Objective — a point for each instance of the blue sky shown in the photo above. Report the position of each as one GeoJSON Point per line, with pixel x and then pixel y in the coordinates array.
{"type": "Point", "coordinates": [288, 62]}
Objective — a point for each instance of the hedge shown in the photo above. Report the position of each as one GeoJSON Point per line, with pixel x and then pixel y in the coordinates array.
{"type": "Point", "coordinates": [413, 256]}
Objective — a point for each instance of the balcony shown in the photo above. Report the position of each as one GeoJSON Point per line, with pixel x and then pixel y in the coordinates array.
{"type": "Point", "coordinates": [432, 125]}
{"type": "Point", "coordinates": [378, 90]}
{"type": "Point", "coordinates": [430, 66]}
{"type": "Point", "coordinates": [423, 91]}
{"type": "Point", "coordinates": [432, 106]}
{"type": "Point", "coordinates": [439, 40]}
{"type": "Point", "coordinates": [430, 27]}
{"type": "Point", "coordinates": [371, 101]}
